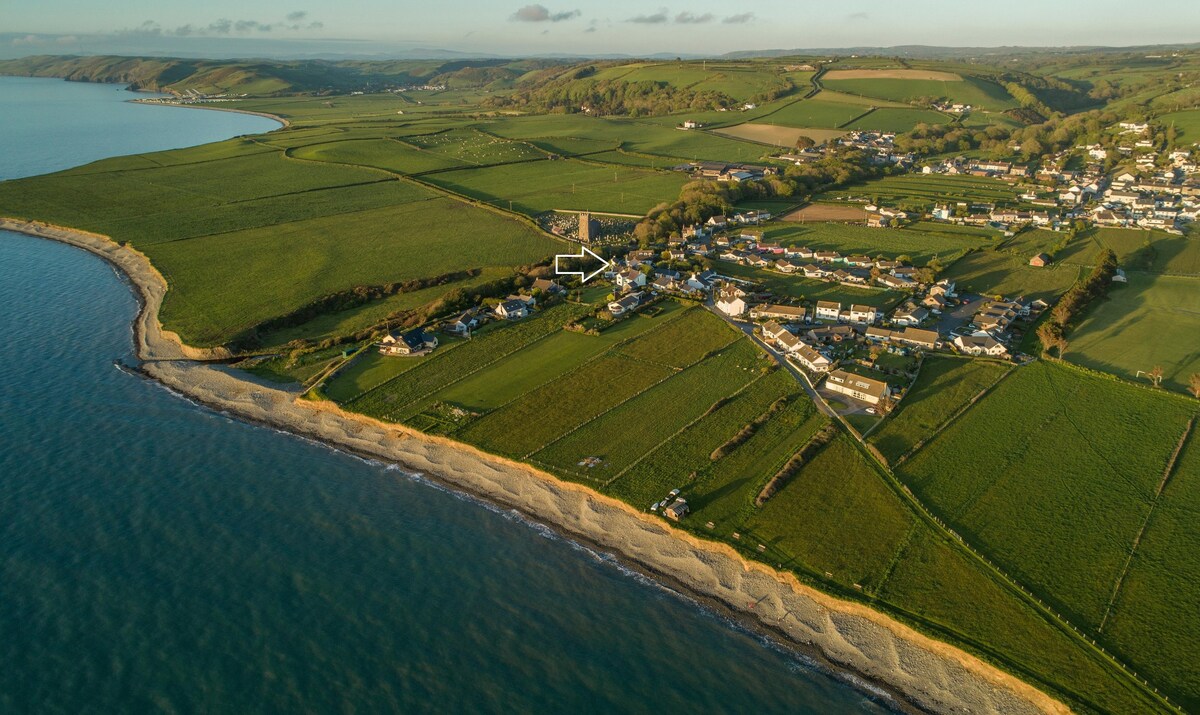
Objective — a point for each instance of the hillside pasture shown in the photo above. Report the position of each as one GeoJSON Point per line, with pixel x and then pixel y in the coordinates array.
{"type": "Point", "coordinates": [919, 244]}
{"type": "Point", "coordinates": [977, 92]}
{"type": "Point", "coordinates": [996, 272]}
{"type": "Point", "coordinates": [890, 119]}
{"type": "Point", "coordinates": [815, 113]}
{"type": "Point", "coordinates": [269, 271]}
{"type": "Point", "coordinates": [925, 190]}
{"type": "Point", "coordinates": [1151, 321]}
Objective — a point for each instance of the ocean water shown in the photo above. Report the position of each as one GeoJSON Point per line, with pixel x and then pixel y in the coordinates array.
{"type": "Point", "coordinates": [156, 556]}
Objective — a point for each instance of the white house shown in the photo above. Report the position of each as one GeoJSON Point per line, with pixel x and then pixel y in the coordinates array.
{"type": "Point", "coordinates": [512, 309]}
{"type": "Point", "coordinates": [730, 302]}
{"type": "Point", "coordinates": [828, 310]}
{"type": "Point", "coordinates": [811, 359]}
{"type": "Point", "coordinates": [863, 314]}
{"type": "Point", "coordinates": [980, 344]}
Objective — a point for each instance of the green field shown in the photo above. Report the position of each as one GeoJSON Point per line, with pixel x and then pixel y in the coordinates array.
{"type": "Point", "coordinates": [534, 188]}
{"type": "Point", "coordinates": [891, 119]}
{"type": "Point", "coordinates": [944, 386]}
{"type": "Point", "coordinates": [739, 81]}
{"type": "Point", "coordinates": [810, 289]}
{"type": "Point", "coordinates": [928, 189]}
{"type": "Point", "coordinates": [922, 243]}
{"type": "Point", "coordinates": [815, 113]}
{"type": "Point", "coordinates": [979, 93]}
{"type": "Point", "coordinates": [996, 272]}
{"type": "Point", "coordinates": [1152, 321]}
{"type": "Point", "coordinates": [1186, 123]}
{"type": "Point", "coordinates": [1053, 475]}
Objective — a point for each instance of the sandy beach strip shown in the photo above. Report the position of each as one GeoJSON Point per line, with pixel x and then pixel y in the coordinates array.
{"type": "Point", "coordinates": [926, 673]}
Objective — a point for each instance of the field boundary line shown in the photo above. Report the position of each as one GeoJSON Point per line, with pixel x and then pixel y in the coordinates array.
{"type": "Point", "coordinates": [954, 417]}
{"type": "Point", "coordinates": [679, 431]}
{"type": "Point", "coordinates": [674, 372]}
{"type": "Point", "coordinates": [595, 358]}
{"type": "Point", "coordinates": [402, 374]}
{"type": "Point", "coordinates": [1168, 471]}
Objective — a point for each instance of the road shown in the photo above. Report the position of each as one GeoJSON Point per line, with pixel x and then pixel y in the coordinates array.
{"type": "Point", "coordinates": [748, 329]}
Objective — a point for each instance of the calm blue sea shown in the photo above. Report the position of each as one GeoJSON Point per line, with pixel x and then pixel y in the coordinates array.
{"type": "Point", "coordinates": [159, 557]}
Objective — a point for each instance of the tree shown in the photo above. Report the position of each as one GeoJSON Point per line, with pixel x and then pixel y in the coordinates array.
{"type": "Point", "coordinates": [1194, 385]}
{"type": "Point", "coordinates": [1156, 375]}
{"type": "Point", "coordinates": [804, 142]}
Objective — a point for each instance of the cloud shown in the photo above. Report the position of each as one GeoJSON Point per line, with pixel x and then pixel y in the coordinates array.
{"type": "Point", "coordinates": [28, 40]}
{"type": "Point", "coordinates": [657, 18]}
{"type": "Point", "coordinates": [688, 18]}
{"type": "Point", "coordinates": [858, 16]}
{"type": "Point", "coordinates": [741, 19]}
{"type": "Point", "coordinates": [224, 26]}
{"type": "Point", "coordinates": [541, 13]}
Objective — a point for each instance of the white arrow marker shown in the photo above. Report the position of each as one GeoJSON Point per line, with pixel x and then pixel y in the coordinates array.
{"type": "Point", "coordinates": [584, 277]}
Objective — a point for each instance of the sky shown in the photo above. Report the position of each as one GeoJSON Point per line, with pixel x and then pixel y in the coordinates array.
{"type": "Point", "coordinates": [597, 27]}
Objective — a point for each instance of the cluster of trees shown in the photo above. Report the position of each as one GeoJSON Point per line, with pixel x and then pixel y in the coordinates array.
{"type": "Point", "coordinates": [1053, 331]}
{"type": "Point", "coordinates": [700, 200]}
{"type": "Point", "coordinates": [942, 138]}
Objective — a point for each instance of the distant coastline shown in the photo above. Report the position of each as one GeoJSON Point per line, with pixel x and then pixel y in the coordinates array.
{"type": "Point", "coordinates": [925, 674]}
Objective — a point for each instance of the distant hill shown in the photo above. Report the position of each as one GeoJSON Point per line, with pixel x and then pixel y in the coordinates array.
{"type": "Point", "coordinates": [274, 77]}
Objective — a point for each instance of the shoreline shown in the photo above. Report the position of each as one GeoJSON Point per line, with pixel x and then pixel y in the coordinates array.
{"type": "Point", "coordinates": [284, 123]}
{"type": "Point", "coordinates": [922, 673]}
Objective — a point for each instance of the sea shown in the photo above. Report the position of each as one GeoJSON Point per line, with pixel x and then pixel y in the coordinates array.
{"type": "Point", "coordinates": [157, 556]}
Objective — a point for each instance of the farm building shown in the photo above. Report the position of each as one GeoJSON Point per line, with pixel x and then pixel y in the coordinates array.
{"type": "Point", "coordinates": [1040, 260]}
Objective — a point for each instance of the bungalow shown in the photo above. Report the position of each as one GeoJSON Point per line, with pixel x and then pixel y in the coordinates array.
{"type": "Point", "coordinates": [909, 314]}
{"type": "Point", "coordinates": [789, 313]}
{"type": "Point", "coordinates": [878, 221]}
{"type": "Point", "coordinates": [917, 337]}
{"type": "Point", "coordinates": [827, 256]}
{"type": "Point", "coordinates": [413, 342]}
{"type": "Point", "coordinates": [785, 266]}
{"type": "Point", "coordinates": [831, 334]}
{"type": "Point", "coordinates": [664, 283]}
{"type": "Point", "coordinates": [512, 309]}
{"type": "Point", "coordinates": [788, 343]}
{"type": "Point", "coordinates": [980, 344]}
{"type": "Point", "coordinates": [717, 222]}
{"type": "Point", "coordinates": [547, 286]}
{"type": "Point", "coordinates": [771, 330]}
{"type": "Point", "coordinates": [628, 304]}
{"type": "Point", "coordinates": [757, 261]}
{"type": "Point", "coordinates": [638, 257]}
{"type": "Point", "coordinates": [861, 388]}
{"type": "Point", "coordinates": [876, 334]}
{"type": "Point", "coordinates": [904, 272]}
{"type": "Point", "coordinates": [814, 271]}
{"type": "Point", "coordinates": [807, 356]}
{"type": "Point", "coordinates": [860, 261]}
{"type": "Point", "coordinates": [798, 252]}
{"type": "Point", "coordinates": [934, 302]}
{"type": "Point", "coordinates": [463, 323]}
{"type": "Point", "coordinates": [828, 310]}
{"type": "Point", "coordinates": [943, 287]}
{"type": "Point", "coordinates": [893, 282]}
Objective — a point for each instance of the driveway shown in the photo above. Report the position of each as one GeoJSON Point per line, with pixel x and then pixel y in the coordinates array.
{"type": "Point", "coordinates": [961, 314]}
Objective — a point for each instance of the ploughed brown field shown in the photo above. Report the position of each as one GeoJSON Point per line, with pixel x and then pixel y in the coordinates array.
{"type": "Point", "coordinates": [778, 135]}
{"type": "Point", "coordinates": [827, 212]}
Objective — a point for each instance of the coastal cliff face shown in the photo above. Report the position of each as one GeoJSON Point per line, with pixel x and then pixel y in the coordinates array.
{"type": "Point", "coordinates": [926, 674]}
